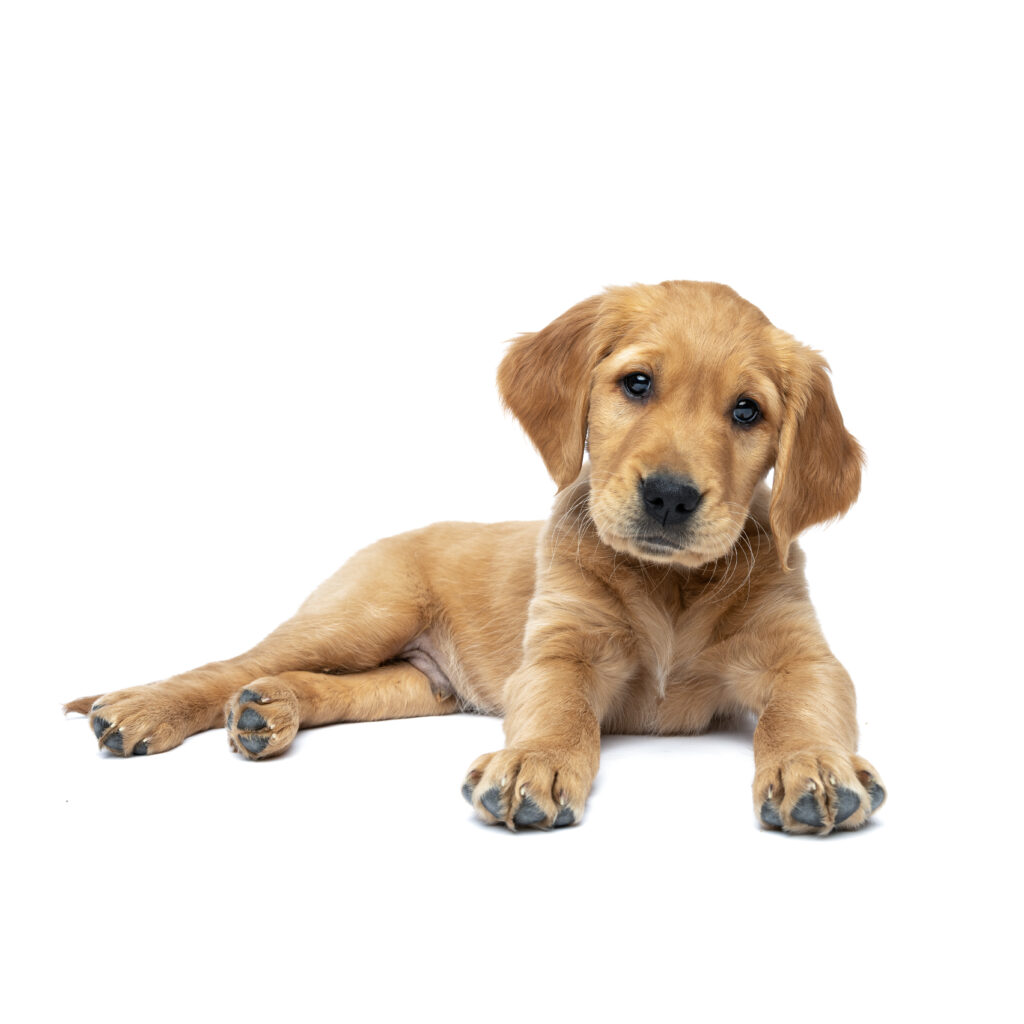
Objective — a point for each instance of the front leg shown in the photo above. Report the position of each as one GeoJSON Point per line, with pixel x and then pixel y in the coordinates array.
{"type": "Point", "coordinates": [808, 777]}
{"type": "Point", "coordinates": [543, 777]}
{"type": "Point", "coordinates": [554, 704]}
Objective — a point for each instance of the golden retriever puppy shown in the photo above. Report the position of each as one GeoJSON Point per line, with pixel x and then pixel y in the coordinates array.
{"type": "Point", "coordinates": [665, 591]}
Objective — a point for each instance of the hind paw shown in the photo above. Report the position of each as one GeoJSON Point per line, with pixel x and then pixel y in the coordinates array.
{"type": "Point", "coordinates": [134, 722]}
{"type": "Point", "coordinates": [262, 719]}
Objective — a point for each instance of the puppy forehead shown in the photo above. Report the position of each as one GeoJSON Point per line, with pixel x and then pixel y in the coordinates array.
{"type": "Point", "coordinates": [689, 322]}
{"type": "Point", "coordinates": [708, 358]}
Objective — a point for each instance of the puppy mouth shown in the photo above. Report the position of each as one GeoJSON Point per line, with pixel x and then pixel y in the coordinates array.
{"type": "Point", "coordinates": [653, 546]}
{"type": "Point", "coordinates": [658, 545]}
{"type": "Point", "coordinates": [685, 546]}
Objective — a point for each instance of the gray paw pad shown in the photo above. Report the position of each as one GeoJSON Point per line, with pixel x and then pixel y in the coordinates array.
{"type": "Point", "coordinates": [565, 817]}
{"type": "Point", "coordinates": [770, 814]}
{"type": "Point", "coordinates": [806, 811]}
{"type": "Point", "coordinates": [249, 697]}
{"type": "Point", "coordinates": [529, 813]}
{"type": "Point", "coordinates": [231, 719]}
{"type": "Point", "coordinates": [254, 744]}
{"type": "Point", "coordinates": [849, 803]}
{"type": "Point", "coordinates": [877, 795]}
{"type": "Point", "coordinates": [115, 742]}
{"type": "Point", "coordinates": [467, 791]}
{"type": "Point", "coordinates": [492, 801]}
{"type": "Point", "coordinates": [100, 726]}
{"type": "Point", "coordinates": [250, 719]}
{"type": "Point", "coordinates": [140, 749]}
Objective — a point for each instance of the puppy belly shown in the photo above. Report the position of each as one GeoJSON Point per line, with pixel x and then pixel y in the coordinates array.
{"type": "Point", "coordinates": [423, 654]}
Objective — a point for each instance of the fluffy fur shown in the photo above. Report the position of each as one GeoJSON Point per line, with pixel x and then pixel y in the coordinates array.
{"type": "Point", "coordinates": [618, 621]}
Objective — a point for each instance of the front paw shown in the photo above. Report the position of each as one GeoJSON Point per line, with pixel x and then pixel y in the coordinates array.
{"type": "Point", "coordinates": [529, 787]}
{"type": "Point", "coordinates": [817, 792]}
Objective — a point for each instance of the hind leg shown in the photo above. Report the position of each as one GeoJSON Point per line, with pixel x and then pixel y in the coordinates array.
{"type": "Point", "coordinates": [263, 718]}
{"type": "Point", "coordinates": [361, 618]}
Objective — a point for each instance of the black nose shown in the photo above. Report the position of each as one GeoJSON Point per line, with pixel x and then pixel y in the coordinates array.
{"type": "Point", "coordinates": [669, 499]}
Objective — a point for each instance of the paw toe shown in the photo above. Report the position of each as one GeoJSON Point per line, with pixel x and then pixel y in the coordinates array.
{"type": "Point", "coordinates": [528, 813]}
{"type": "Point", "coordinates": [770, 814]}
{"type": "Point", "coordinates": [565, 817]}
{"type": "Point", "coordinates": [849, 803]}
{"type": "Point", "coordinates": [254, 744]}
{"type": "Point", "coordinates": [115, 742]}
{"type": "Point", "coordinates": [141, 748]}
{"type": "Point", "coordinates": [806, 811]}
{"type": "Point", "coordinates": [492, 801]}
{"type": "Point", "coordinates": [248, 696]}
{"type": "Point", "coordinates": [100, 726]}
{"type": "Point", "coordinates": [876, 794]}
{"type": "Point", "coordinates": [250, 719]}
{"type": "Point", "coordinates": [469, 786]}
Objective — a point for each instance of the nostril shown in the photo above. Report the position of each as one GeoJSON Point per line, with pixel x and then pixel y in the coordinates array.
{"type": "Point", "coordinates": [657, 502]}
{"type": "Point", "coordinates": [690, 500]}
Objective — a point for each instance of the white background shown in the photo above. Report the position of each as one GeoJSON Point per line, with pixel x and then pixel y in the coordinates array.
{"type": "Point", "coordinates": [259, 261]}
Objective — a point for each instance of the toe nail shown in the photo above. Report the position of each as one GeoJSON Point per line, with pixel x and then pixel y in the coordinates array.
{"type": "Point", "coordinates": [849, 803]}
{"type": "Point", "coordinates": [806, 811]}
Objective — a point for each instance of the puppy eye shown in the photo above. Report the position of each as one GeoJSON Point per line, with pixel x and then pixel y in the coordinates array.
{"type": "Point", "coordinates": [746, 412]}
{"type": "Point", "coordinates": [637, 385]}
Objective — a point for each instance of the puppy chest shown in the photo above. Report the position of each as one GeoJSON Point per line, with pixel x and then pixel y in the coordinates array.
{"type": "Point", "coordinates": [671, 648]}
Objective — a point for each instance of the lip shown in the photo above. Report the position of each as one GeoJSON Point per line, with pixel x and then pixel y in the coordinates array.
{"type": "Point", "coordinates": [656, 543]}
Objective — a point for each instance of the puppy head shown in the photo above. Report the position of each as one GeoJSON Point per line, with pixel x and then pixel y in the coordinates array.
{"type": "Point", "coordinates": [685, 395]}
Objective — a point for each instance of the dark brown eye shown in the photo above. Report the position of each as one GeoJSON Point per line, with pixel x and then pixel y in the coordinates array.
{"type": "Point", "coordinates": [746, 412]}
{"type": "Point", "coordinates": [637, 385]}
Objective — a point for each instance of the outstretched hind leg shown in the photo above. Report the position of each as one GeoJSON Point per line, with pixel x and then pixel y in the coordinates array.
{"type": "Point", "coordinates": [363, 617]}
{"type": "Point", "coordinates": [263, 718]}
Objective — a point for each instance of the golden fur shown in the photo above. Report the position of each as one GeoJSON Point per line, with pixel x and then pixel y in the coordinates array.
{"type": "Point", "coordinates": [618, 622]}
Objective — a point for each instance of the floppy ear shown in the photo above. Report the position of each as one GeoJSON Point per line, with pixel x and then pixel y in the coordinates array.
{"type": "Point", "coordinates": [544, 381]}
{"type": "Point", "coordinates": [817, 469]}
